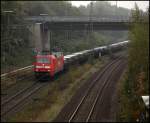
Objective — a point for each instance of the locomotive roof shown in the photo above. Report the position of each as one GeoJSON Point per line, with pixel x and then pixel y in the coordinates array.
{"type": "Point", "coordinates": [43, 55]}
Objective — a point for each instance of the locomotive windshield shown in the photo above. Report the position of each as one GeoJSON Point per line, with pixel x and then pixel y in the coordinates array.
{"type": "Point", "coordinates": [43, 60]}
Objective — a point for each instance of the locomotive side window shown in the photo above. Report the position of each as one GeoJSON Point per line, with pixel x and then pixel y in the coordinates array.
{"type": "Point", "coordinates": [57, 54]}
{"type": "Point", "coordinates": [43, 60]}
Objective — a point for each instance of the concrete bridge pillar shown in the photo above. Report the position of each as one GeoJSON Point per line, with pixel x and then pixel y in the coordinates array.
{"type": "Point", "coordinates": [37, 37]}
{"type": "Point", "coordinates": [40, 39]}
{"type": "Point", "coordinates": [45, 38]}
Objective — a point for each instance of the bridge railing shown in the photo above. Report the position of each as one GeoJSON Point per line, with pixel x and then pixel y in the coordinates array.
{"type": "Point", "coordinates": [77, 19]}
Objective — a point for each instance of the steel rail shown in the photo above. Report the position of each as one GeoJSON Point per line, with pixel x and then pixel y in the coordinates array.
{"type": "Point", "coordinates": [28, 95]}
{"type": "Point", "coordinates": [17, 81]}
{"type": "Point", "coordinates": [19, 93]}
{"type": "Point", "coordinates": [106, 82]}
{"type": "Point", "coordinates": [88, 90]}
{"type": "Point", "coordinates": [14, 71]}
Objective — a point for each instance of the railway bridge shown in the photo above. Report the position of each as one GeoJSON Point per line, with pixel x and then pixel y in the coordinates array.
{"type": "Point", "coordinates": [42, 26]}
{"type": "Point", "coordinates": [80, 23]}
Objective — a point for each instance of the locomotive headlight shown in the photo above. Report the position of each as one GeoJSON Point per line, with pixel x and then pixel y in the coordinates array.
{"type": "Point", "coordinates": [47, 66]}
{"type": "Point", "coordinates": [39, 66]}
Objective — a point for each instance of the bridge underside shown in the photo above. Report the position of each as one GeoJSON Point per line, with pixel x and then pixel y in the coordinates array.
{"type": "Point", "coordinates": [42, 33]}
{"type": "Point", "coordinates": [87, 26]}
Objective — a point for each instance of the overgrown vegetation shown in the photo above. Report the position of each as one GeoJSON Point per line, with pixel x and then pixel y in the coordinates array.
{"type": "Point", "coordinates": [136, 82]}
{"type": "Point", "coordinates": [52, 98]}
{"type": "Point", "coordinates": [15, 46]}
{"type": "Point", "coordinates": [16, 49]}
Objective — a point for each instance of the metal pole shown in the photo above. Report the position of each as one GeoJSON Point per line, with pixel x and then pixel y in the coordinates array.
{"type": "Point", "coordinates": [91, 23]}
{"type": "Point", "coordinates": [91, 30]}
{"type": "Point", "coordinates": [8, 18]}
{"type": "Point", "coordinates": [50, 40]}
{"type": "Point", "coordinates": [8, 29]}
{"type": "Point", "coordinates": [116, 8]}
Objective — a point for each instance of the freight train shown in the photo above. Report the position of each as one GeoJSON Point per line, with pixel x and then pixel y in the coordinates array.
{"type": "Point", "coordinates": [52, 63]}
{"type": "Point", "coordinates": [48, 64]}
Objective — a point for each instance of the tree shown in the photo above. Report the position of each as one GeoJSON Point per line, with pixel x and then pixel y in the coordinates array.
{"type": "Point", "coordinates": [137, 83]}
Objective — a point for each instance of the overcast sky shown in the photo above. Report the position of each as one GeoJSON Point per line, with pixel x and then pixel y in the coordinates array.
{"type": "Point", "coordinates": [126, 4]}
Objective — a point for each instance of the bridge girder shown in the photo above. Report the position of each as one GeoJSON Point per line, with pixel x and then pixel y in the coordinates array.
{"type": "Point", "coordinates": [87, 25]}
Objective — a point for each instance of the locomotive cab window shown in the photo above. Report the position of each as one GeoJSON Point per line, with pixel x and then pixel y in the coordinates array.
{"type": "Point", "coordinates": [43, 60]}
{"type": "Point", "coordinates": [57, 54]}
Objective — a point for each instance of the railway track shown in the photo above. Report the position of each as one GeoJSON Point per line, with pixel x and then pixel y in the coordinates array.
{"type": "Point", "coordinates": [14, 78]}
{"type": "Point", "coordinates": [14, 90]}
{"type": "Point", "coordinates": [100, 94]}
{"type": "Point", "coordinates": [92, 91]}
{"type": "Point", "coordinates": [16, 101]}
{"type": "Point", "coordinates": [100, 111]}
{"type": "Point", "coordinates": [83, 111]}
{"type": "Point", "coordinates": [7, 99]}
{"type": "Point", "coordinates": [17, 70]}
{"type": "Point", "coordinates": [12, 103]}
{"type": "Point", "coordinates": [18, 81]}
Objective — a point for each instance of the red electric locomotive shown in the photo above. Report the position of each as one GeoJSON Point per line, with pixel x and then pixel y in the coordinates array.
{"type": "Point", "coordinates": [48, 64]}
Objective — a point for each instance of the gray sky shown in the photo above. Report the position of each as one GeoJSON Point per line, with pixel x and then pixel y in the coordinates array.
{"type": "Point", "coordinates": [126, 4]}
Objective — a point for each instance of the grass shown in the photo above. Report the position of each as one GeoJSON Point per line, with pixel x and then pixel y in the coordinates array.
{"type": "Point", "coordinates": [52, 98]}
{"type": "Point", "coordinates": [123, 108]}
{"type": "Point", "coordinates": [130, 106]}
